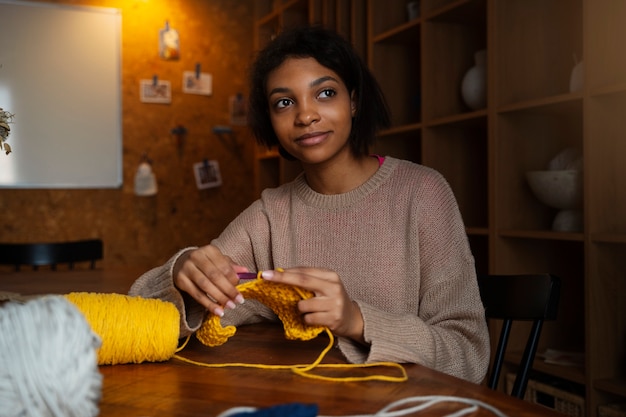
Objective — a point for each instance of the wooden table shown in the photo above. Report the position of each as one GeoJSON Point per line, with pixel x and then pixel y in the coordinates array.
{"type": "Point", "coordinates": [176, 388]}
{"type": "Point", "coordinates": [29, 282]}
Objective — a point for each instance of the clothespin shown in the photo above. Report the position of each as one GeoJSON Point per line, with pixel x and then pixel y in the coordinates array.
{"type": "Point", "coordinates": [155, 80]}
{"type": "Point", "coordinates": [198, 70]}
{"type": "Point", "coordinates": [222, 130]}
{"type": "Point", "coordinates": [180, 133]}
{"type": "Point", "coordinates": [167, 25]}
{"type": "Point", "coordinates": [226, 135]}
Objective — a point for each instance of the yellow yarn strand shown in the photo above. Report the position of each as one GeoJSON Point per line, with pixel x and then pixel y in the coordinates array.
{"type": "Point", "coordinates": [282, 299]}
{"type": "Point", "coordinates": [305, 370]}
{"type": "Point", "coordinates": [132, 329]}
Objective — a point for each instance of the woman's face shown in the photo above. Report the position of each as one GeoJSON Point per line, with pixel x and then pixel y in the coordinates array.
{"type": "Point", "coordinates": [311, 110]}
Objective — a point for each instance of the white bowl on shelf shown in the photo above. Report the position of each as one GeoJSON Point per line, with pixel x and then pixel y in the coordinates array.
{"type": "Point", "coordinates": [557, 189]}
{"type": "Point", "coordinates": [562, 190]}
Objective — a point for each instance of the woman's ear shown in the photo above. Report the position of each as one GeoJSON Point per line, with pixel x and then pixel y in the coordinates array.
{"type": "Point", "coordinates": [353, 103]}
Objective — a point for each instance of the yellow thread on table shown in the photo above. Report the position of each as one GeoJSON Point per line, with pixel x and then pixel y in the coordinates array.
{"type": "Point", "coordinates": [283, 299]}
{"type": "Point", "coordinates": [132, 329]}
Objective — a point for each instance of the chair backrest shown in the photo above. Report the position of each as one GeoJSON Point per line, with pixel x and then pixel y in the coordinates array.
{"type": "Point", "coordinates": [529, 297]}
{"type": "Point", "coordinates": [52, 254]}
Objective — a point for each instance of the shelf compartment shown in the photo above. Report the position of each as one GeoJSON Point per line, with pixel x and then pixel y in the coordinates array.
{"type": "Point", "coordinates": [455, 10]}
{"type": "Point", "coordinates": [386, 15]}
{"type": "Point", "coordinates": [347, 17]}
{"type": "Point", "coordinates": [403, 143]}
{"type": "Point", "coordinates": [272, 20]}
{"type": "Point", "coordinates": [521, 255]}
{"type": "Point", "coordinates": [565, 101]}
{"type": "Point", "coordinates": [607, 178]}
{"type": "Point", "coordinates": [542, 234]}
{"type": "Point", "coordinates": [450, 47]}
{"type": "Point", "coordinates": [459, 152]}
{"type": "Point", "coordinates": [398, 130]}
{"type": "Point", "coordinates": [608, 237]}
{"type": "Point", "coordinates": [574, 374]}
{"type": "Point", "coordinates": [606, 298]}
{"type": "Point", "coordinates": [614, 386]}
{"type": "Point", "coordinates": [527, 140]}
{"type": "Point", "coordinates": [469, 118]}
{"type": "Point", "coordinates": [564, 259]}
{"type": "Point", "coordinates": [608, 90]}
{"type": "Point", "coordinates": [396, 58]}
{"type": "Point", "coordinates": [606, 33]}
{"type": "Point", "coordinates": [536, 41]}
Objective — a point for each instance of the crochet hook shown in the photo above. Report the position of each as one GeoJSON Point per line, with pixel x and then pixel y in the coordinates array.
{"type": "Point", "coordinates": [246, 275]}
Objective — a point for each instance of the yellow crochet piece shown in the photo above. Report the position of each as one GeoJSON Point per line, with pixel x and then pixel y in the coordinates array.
{"type": "Point", "coordinates": [281, 298]}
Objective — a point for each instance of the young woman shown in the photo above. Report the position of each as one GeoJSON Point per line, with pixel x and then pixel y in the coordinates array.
{"type": "Point", "coordinates": [379, 241]}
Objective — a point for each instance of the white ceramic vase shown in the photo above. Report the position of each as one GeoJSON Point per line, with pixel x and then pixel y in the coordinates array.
{"type": "Point", "coordinates": [474, 84]}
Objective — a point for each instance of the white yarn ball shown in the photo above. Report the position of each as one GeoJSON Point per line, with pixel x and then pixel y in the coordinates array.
{"type": "Point", "coordinates": [48, 360]}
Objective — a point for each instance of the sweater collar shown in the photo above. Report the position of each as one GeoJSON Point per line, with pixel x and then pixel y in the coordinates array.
{"type": "Point", "coordinates": [312, 198]}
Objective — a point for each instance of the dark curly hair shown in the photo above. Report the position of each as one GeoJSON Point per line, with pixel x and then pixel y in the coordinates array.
{"type": "Point", "coordinates": [334, 52]}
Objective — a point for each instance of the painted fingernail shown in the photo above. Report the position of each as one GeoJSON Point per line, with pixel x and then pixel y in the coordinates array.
{"type": "Point", "coordinates": [218, 311]}
{"type": "Point", "coordinates": [240, 299]}
{"type": "Point", "coordinates": [268, 275]}
{"type": "Point", "coordinates": [230, 305]}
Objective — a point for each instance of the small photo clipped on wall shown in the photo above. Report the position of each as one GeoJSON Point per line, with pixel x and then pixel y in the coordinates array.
{"type": "Point", "coordinates": [155, 91]}
{"type": "Point", "coordinates": [207, 174]}
{"type": "Point", "coordinates": [197, 83]}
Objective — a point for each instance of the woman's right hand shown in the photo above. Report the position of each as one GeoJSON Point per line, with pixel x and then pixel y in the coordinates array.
{"type": "Point", "coordinates": [209, 277]}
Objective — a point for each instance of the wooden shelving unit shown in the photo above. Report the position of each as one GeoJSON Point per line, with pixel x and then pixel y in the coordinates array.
{"type": "Point", "coordinates": [530, 116]}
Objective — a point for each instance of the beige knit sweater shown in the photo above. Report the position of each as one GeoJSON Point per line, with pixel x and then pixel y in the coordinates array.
{"type": "Point", "coordinates": [399, 245]}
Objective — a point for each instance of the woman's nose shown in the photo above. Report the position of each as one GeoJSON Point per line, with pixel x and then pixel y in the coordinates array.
{"type": "Point", "coordinates": [307, 115]}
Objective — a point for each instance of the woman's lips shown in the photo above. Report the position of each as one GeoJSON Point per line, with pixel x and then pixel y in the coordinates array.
{"type": "Point", "coordinates": [311, 139]}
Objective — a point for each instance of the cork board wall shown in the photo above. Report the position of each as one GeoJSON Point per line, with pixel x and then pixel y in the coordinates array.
{"type": "Point", "coordinates": [146, 231]}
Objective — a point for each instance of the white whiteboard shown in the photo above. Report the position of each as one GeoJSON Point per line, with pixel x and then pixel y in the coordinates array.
{"type": "Point", "coordinates": [60, 75]}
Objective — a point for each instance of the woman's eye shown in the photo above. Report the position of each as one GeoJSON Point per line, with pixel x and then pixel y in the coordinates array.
{"type": "Point", "coordinates": [326, 93]}
{"type": "Point", "coordinates": [282, 103]}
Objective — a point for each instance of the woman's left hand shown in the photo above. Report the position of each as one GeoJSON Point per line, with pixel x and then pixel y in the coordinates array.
{"type": "Point", "coordinates": [330, 307]}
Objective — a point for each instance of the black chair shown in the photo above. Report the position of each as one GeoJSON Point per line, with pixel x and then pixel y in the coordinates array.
{"type": "Point", "coordinates": [51, 254]}
{"type": "Point", "coordinates": [528, 297]}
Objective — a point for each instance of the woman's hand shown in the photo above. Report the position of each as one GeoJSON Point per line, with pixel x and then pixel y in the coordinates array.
{"type": "Point", "coordinates": [330, 307]}
{"type": "Point", "coordinates": [209, 277]}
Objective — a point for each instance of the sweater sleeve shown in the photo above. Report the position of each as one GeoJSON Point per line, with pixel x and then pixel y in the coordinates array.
{"type": "Point", "coordinates": [236, 242]}
{"type": "Point", "coordinates": [449, 332]}
{"type": "Point", "coordinates": [158, 283]}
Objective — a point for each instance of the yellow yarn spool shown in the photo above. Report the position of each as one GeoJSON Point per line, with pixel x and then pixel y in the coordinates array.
{"type": "Point", "coordinates": [132, 329]}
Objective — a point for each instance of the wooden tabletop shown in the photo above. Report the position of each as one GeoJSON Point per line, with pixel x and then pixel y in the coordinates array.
{"type": "Point", "coordinates": [29, 282]}
{"type": "Point", "coordinates": [176, 388]}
